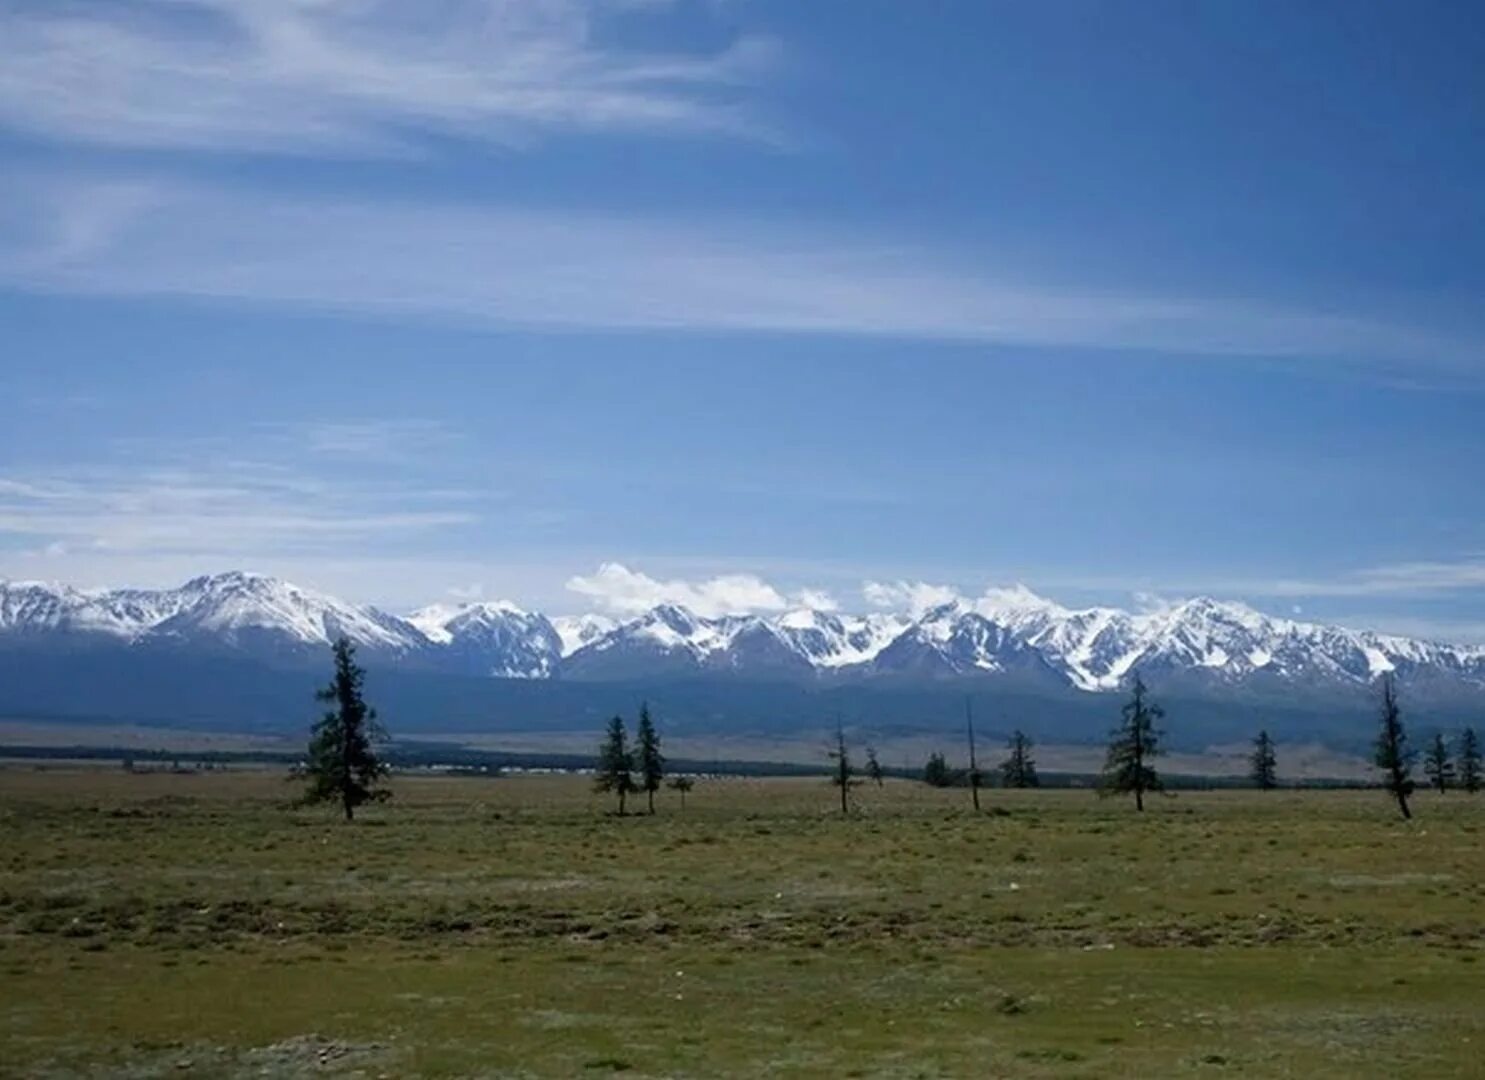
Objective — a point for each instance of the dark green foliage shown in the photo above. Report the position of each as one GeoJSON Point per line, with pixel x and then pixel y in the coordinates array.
{"type": "Point", "coordinates": [1263, 764]}
{"type": "Point", "coordinates": [1019, 768]}
{"type": "Point", "coordinates": [1438, 766]}
{"type": "Point", "coordinates": [1392, 755]}
{"type": "Point", "coordinates": [1132, 745]}
{"type": "Point", "coordinates": [937, 772]}
{"type": "Point", "coordinates": [651, 761]}
{"type": "Point", "coordinates": [842, 775]}
{"type": "Point", "coordinates": [342, 765]}
{"type": "Point", "coordinates": [1469, 760]}
{"type": "Point", "coordinates": [681, 785]}
{"type": "Point", "coordinates": [873, 766]}
{"type": "Point", "coordinates": [615, 770]}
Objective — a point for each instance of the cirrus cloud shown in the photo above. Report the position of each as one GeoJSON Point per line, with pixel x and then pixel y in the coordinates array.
{"type": "Point", "coordinates": [352, 77]}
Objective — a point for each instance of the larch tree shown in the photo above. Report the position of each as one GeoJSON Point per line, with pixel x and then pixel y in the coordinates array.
{"type": "Point", "coordinates": [615, 771]}
{"type": "Point", "coordinates": [1391, 754]}
{"type": "Point", "coordinates": [1132, 746]}
{"type": "Point", "coordinates": [1018, 770]}
{"type": "Point", "coordinates": [1469, 760]}
{"type": "Point", "coordinates": [873, 766]}
{"type": "Point", "coordinates": [342, 764]}
{"type": "Point", "coordinates": [1263, 764]}
{"type": "Point", "coordinates": [936, 772]}
{"type": "Point", "coordinates": [651, 761]}
{"type": "Point", "coordinates": [1438, 765]}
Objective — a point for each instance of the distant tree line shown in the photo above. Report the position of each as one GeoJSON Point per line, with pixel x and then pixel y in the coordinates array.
{"type": "Point", "coordinates": [343, 764]}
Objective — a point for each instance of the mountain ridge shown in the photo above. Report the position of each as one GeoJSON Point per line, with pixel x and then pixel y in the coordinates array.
{"type": "Point", "coordinates": [1011, 633]}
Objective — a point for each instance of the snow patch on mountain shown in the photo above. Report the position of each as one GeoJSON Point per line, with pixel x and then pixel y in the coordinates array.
{"type": "Point", "coordinates": [830, 641]}
{"type": "Point", "coordinates": [575, 631]}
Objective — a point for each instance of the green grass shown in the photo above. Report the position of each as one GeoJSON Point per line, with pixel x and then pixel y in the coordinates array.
{"type": "Point", "coordinates": [196, 925]}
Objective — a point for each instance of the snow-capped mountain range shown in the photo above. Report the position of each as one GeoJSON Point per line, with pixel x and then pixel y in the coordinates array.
{"type": "Point", "coordinates": [1009, 633]}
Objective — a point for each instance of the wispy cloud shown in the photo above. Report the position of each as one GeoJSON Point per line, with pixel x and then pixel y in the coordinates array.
{"type": "Point", "coordinates": [283, 491]}
{"type": "Point", "coordinates": [1398, 579]}
{"type": "Point", "coordinates": [352, 77]}
{"type": "Point", "coordinates": [368, 440]}
{"type": "Point", "coordinates": [231, 510]}
{"type": "Point", "coordinates": [570, 270]}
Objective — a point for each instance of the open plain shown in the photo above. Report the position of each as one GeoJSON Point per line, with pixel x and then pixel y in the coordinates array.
{"type": "Point", "coordinates": [166, 924]}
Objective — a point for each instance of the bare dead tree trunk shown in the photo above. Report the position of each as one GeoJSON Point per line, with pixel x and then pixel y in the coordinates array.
{"type": "Point", "coordinates": [974, 766]}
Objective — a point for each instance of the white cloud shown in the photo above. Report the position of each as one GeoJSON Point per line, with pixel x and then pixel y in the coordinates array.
{"type": "Point", "coordinates": [914, 597]}
{"type": "Point", "coordinates": [352, 77]}
{"type": "Point", "coordinates": [618, 589]}
{"type": "Point", "coordinates": [540, 268]}
{"type": "Point", "coordinates": [816, 600]}
{"type": "Point", "coordinates": [1150, 603]}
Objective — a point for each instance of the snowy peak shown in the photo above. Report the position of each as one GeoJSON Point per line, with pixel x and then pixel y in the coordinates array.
{"type": "Point", "coordinates": [1011, 632]}
{"type": "Point", "coordinates": [951, 640]}
{"type": "Point", "coordinates": [575, 631]}
{"type": "Point", "coordinates": [492, 638]}
{"type": "Point", "coordinates": [237, 607]}
{"type": "Point", "coordinates": [828, 640]}
{"type": "Point", "coordinates": [440, 622]}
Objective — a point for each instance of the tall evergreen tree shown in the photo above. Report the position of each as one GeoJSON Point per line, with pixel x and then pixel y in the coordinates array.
{"type": "Point", "coordinates": [873, 766]}
{"type": "Point", "coordinates": [615, 771]}
{"type": "Point", "coordinates": [1019, 768]}
{"type": "Point", "coordinates": [1392, 755]}
{"type": "Point", "coordinates": [342, 765]}
{"type": "Point", "coordinates": [975, 776]}
{"type": "Point", "coordinates": [842, 775]}
{"type": "Point", "coordinates": [651, 761]}
{"type": "Point", "coordinates": [1132, 745]}
{"type": "Point", "coordinates": [1469, 760]}
{"type": "Point", "coordinates": [1263, 764]}
{"type": "Point", "coordinates": [1438, 766]}
{"type": "Point", "coordinates": [936, 772]}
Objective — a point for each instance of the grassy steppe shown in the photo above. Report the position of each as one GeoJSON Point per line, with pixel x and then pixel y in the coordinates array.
{"type": "Point", "coordinates": [195, 925]}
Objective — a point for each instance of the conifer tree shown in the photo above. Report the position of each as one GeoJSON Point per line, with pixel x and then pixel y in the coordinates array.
{"type": "Point", "coordinates": [1438, 766]}
{"type": "Point", "coordinates": [1392, 755]}
{"type": "Point", "coordinates": [651, 761]}
{"type": "Point", "coordinates": [1263, 764]}
{"type": "Point", "coordinates": [615, 771]}
{"type": "Point", "coordinates": [873, 766]}
{"type": "Point", "coordinates": [1469, 760]}
{"type": "Point", "coordinates": [842, 775]}
{"type": "Point", "coordinates": [681, 785]}
{"type": "Point", "coordinates": [1132, 745]}
{"type": "Point", "coordinates": [1019, 768]}
{"type": "Point", "coordinates": [342, 764]}
{"type": "Point", "coordinates": [936, 772]}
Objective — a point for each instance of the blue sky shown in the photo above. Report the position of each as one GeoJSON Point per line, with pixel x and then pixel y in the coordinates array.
{"type": "Point", "coordinates": [409, 303]}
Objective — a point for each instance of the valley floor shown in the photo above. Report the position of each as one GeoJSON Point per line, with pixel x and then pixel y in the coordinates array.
{"type": "Point", "coordinates": [197, 925]}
